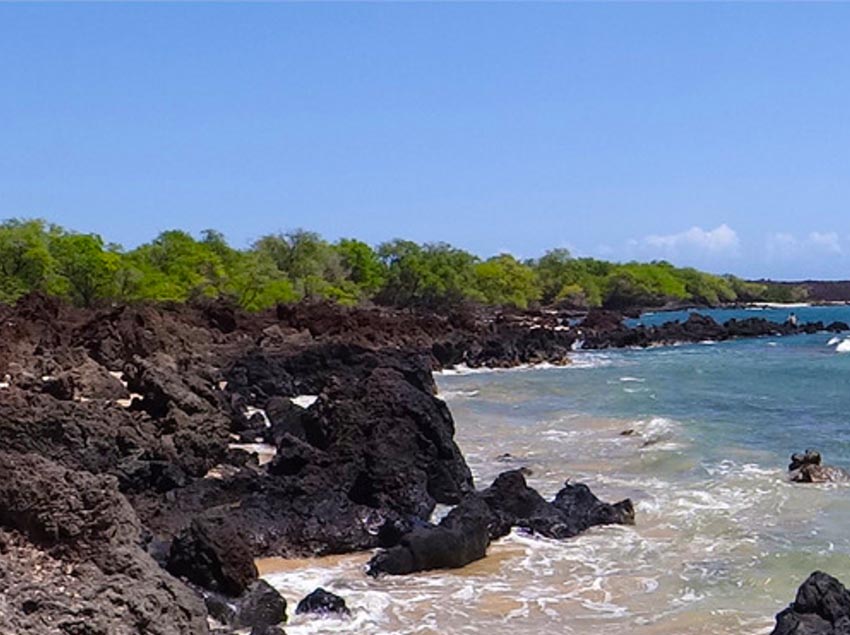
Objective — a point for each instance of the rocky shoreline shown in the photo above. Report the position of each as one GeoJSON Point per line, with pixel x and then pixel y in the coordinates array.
{"type": "Point", "coordinates": [129, 499]}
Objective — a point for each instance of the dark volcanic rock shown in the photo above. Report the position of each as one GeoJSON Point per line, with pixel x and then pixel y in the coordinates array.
{"type": "Point", "coordinates": [806, 468]}
{"type": "Point", "coordinates": [211, 553]}
{"type": "Point", "coordinates": [397, 442]}
{"type": "Point", "coordinates": [92, 436]}
{"type": "Point", "coordinates": [464, 534]}
{"type": "Point", "coordinates": [375, 449]}
{"type": "Point", "coordinates": [602, 329]}
{"type": "Point", "coordinates": [822, 607]}
{"type": "Point", "coordinates": [577, 503]}
{"type": "Point", "coordinates": [460, 538]}
{"type": "Point", "coordinates": [575, 508]}
{"type": "Point", "coordinates": [322, 602]}
{"type": "Point", "coordinates": [261, 606]}
{"type": "Point", "coordinates": [72, 563]}
{"type": "Point", "coordinates": [285, 418]}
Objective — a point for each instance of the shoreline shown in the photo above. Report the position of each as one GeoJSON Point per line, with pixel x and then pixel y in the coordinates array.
{"type": "Point", "coordinates": [154, 408]}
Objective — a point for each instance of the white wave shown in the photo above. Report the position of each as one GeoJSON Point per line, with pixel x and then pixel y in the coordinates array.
{"type": "Point", "coordinates": [843, 346]}
{"type": "Point", "coordinates": [833, 341]}
{"type": "Point", "coordinates": [581, 361]}
{"type": "Point", "coordinates": [635, 379]}
{"type": "Point", "coordinates": [456, 394]}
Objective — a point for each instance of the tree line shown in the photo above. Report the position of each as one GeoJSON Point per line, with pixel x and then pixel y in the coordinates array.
{"type": "Point", "coordinates": [286, 267]}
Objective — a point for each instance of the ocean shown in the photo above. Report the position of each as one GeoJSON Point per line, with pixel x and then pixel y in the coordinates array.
{"type": "Point", "coordinates": [722, 540]}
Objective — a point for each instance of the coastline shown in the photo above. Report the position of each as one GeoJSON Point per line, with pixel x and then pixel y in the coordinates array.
{"type": "Point", "coordinates": [359, 465]}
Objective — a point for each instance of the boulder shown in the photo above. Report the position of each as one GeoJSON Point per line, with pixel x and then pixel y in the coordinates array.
{"type": "Point", "coordinates": [261, 607]}
{"type": "Point", "coordinates": [212, 554]}
{"type": "Point", "coordinates": [822, 607]}
{"type": "Point", "coordinates": [322, 602]}
{"type": "Point", "coordinates": [574, 509]}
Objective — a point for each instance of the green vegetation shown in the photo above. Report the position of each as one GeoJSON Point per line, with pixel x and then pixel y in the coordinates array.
{"type": "Point", "coordinates": [38, 256]}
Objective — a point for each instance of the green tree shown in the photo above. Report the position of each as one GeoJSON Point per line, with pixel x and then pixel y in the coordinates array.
{"type": "Point", "coordinates": [85, 269]}
{"type": "Point", "coordinates": [175, 266]}
{"type": "Point", "coordinates": [26, 263]}
{"type": "Point", "coordinates": [503, 280]}
{"type": "Point", "coordinates": [552, 269]}
{"type": "Point", "coordinates": [435, 275]}
{"type": "Point", "coordinates": [363, 265]}
{"type": "Point", "coordinates": [256, 283]}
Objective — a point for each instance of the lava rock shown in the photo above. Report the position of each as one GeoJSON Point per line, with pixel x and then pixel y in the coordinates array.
{"type": "Point", "coordinates": [285, 418]}
{"type": "Point", "coordinates": [461, 537]}
{"type": "Point", "coordinates": [322, 602]}
{"type": "Point", "coordinates": [822, 607]}
{"type": "Point", "coordinates": [806, 468]}
{"type": "Point", "coordinates": [212, 554]}
{"type": "Point", "coordinates": [261, 607]}
{"type": "Point", "coordinates": [72, 560]}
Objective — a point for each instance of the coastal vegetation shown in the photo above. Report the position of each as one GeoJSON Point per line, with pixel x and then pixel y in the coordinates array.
{"type": "Point", "coordinates": [36, 255]}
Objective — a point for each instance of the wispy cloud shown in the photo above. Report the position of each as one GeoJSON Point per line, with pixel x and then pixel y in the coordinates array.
{"type": "Point", "coordinates": [720, 239]}
{"type": "Point", "coordinates": [786, 245]}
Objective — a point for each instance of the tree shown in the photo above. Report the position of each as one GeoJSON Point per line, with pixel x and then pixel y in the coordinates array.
{"type": "Point", "coordinates": [552, 270]}
{"type": "Point", "coordinates": [503, 280]}
{"type": "Point", "coordinates": [86, 270]}
{"type": "Point", "coordinates": [26, 263]}
{"type": "Point", "coordinates": [310, 263]}
{"type": "Point", "coordinates": [435, 275]}
{"type": "Point", "coordinates": [364, 267]}
{"type": "Point", "coordinates": [177, 267]}
{"type": "Point", "coordinates": [256, 283]}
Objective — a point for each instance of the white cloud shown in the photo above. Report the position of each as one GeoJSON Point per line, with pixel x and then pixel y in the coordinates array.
{"type": "Point", "coordinates": [721, 238]}
{"type": "Point", "coordinates": [785, 245]}
{"type": "Point", "coordinates": [827, 240]}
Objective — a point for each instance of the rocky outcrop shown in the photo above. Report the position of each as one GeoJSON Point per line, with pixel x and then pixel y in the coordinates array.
{"type": "Point", "coordinates": [465, 533]}
{"type": "Point", "coordinates": [369, 450]}
{"type": "Point", "coordinates": [72, 562]}
{"type": "Point", "coordinates": [605, 329]}
{"type": "Point", "coordinates": [805, 467]}
{"type": "Point", "coordinates": [822, 607]}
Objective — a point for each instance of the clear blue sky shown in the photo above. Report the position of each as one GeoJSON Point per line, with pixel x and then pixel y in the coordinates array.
{"type": "Point", "coordinates": [709, 134]}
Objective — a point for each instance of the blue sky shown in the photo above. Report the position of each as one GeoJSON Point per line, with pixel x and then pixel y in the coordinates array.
{"type": "Point", "coordinates": [716, 135]}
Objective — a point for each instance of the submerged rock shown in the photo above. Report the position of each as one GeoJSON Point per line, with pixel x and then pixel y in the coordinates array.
{"type": "Point", "coordinates": [322, 602]}
{"type": "Point", "coordinates": [822, 607]}
{"type": "Point", "coordinates": [806, 468]}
